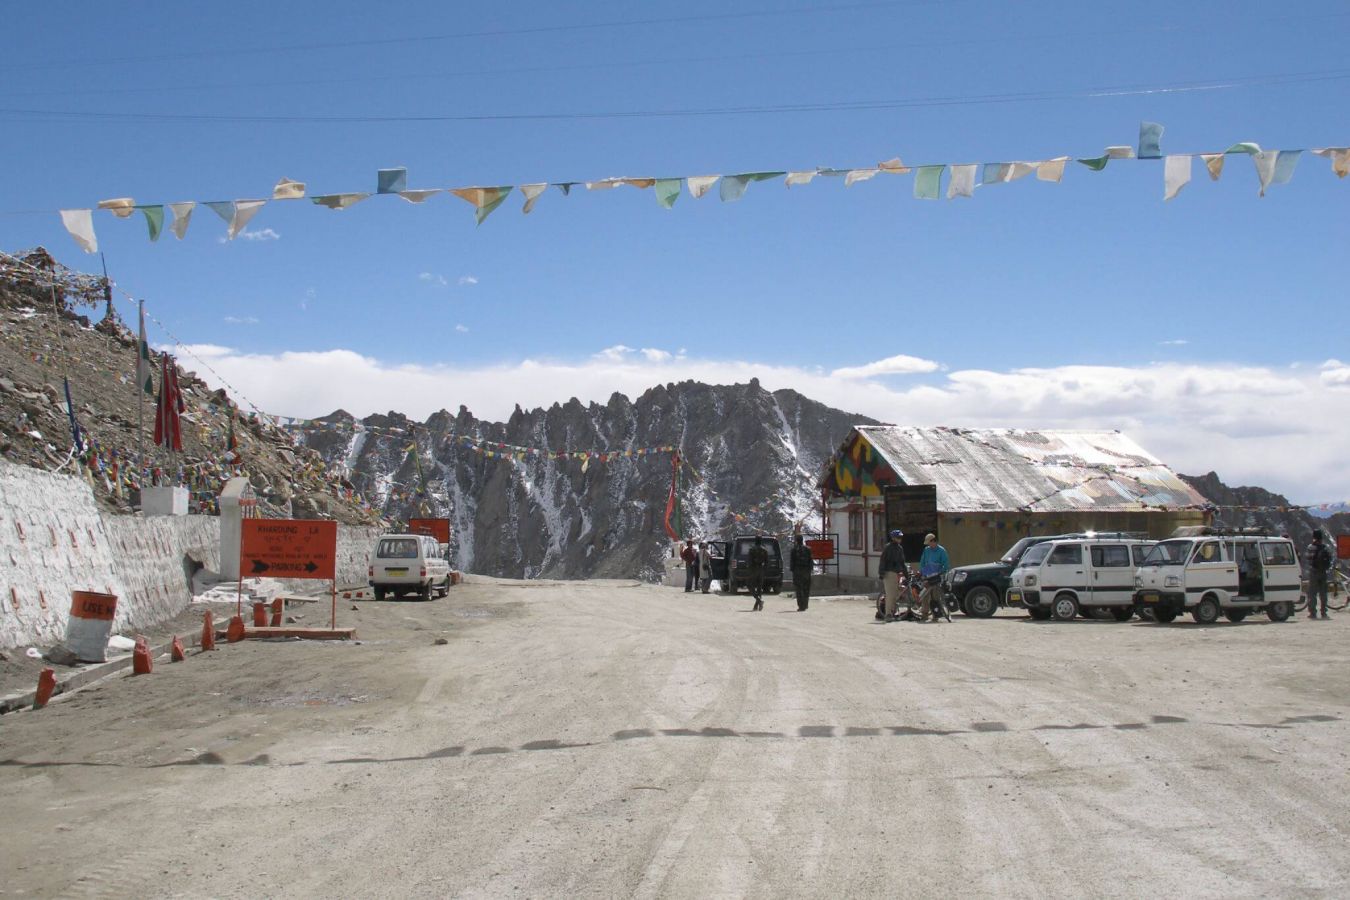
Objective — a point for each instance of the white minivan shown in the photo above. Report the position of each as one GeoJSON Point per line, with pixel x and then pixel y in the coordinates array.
{"type": "Point", "coordinates": [1066, 578]}
{"type": "Point", "coordinates": [1220, 574]}
{"type": "Point", "coordinates": [408, 564]}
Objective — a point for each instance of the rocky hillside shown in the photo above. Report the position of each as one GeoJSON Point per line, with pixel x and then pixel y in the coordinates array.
{"type": "Point", "coordinates": [753, 460]}
{"type": "Point", "coordinates": [48, 336]}
{"type": "Point", "coordinates": [1254, 507]}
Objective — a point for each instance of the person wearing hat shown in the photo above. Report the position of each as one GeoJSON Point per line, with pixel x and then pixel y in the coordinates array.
{"type": "Point", "coordinates": [1319, 567]}
{"type": "Point", "coordinates": [892, 572]}
{"type": "Point", "coordinates": [801, 563]}
{"type": "Point", "coordinates": [704, 566]}
{"type": "Point", "coordinates": [690, 557]}
{"type": "Point", "coordinates": [933, 564]}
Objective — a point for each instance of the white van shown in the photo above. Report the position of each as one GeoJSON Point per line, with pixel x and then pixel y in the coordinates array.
{"type": "Point", "coordinates": [1068, 577]}
{"type": "Point", "coordinates": [1232, 575]}
{"type": "Point", "coordinates": [408, 564]}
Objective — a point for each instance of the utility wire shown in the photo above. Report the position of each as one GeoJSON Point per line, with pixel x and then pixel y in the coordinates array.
{"type": "Point", "coordinates": [689, 112]}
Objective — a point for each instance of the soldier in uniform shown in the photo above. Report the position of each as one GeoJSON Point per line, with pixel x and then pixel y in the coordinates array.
{"type": "Point", "coordinates": [756, 561]}
{"type": "Point", "coordinates": [801, 563]}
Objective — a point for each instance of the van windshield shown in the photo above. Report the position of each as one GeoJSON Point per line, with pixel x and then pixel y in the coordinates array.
{"type": "Point", "coordinates": [1016, 550]}
{"type": "Point", "coordinates": [1035, 555]}
{"type": "Point", "coordinates": [397, 548]}
{"type": "Point", "coordinates": [1168, 553]}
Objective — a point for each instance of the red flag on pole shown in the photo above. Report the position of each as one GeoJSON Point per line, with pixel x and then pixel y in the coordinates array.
{"type": "Point", "coordinates": [168, 432]}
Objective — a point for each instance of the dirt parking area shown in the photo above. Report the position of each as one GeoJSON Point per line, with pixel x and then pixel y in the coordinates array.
{"type": "Point", "coordinates": [615, 739]}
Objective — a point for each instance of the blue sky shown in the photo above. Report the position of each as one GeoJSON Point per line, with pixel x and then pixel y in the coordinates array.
{"type": "Point", "coordinates": [1208, 327]}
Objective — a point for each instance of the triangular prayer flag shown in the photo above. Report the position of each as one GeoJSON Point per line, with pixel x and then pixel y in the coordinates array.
{"type": "Point", "coordinates": [1340, 159]}
{"type": "Point", "coordinates": [288, 190]}
{"type": "Point", "coordinates": [532, 192]}
{"type": "Point", "coordinates": [1285, 163]}
{"type": "Point", "coordinates": [339, 201]}
{"type": "Point", "coordinates": [893, 166]}
{"type": "Point", "coordinates": [639, 183]}
{"type": "Point", "coordinates": [799, 177]}
{"type": "Point", "coordinates": [565, 186]}
{"type": "Point", "coordinates": [1265, 167]}
{"type": "Point", "coordinates": [668, 191]}
{"type": "Point", "coordinates": [605, 184]}
{"type": "Point", "coordinates": [182, 214]}
{"type": "Point", "coordinates": [1096, 164]}
{"type": "Point", "coordinates": [733, 186]}
{"type": "Point", "coordinates": [484, 199]}
{"type": "Point", "coordinates": [700, 184]}
{"type": "Point", "coordinates": [419, 196]}
{"type": "Point", "coordinates": [1120, 152]}
{"type": "Point", "coordinates": [856, 175]}
{"type": "Point", "coordinates": [80, 224]}
{"type": "Point", "coordinates": [1244, 147]}
{"type": "Point", "coordinates": [154, 219]}
{"type": "Point", "coordinates": [236, 213]}
{"type": "Point", "coordinates": [928, 182]}
{"type": "Point", "coordinates": [1051, 169]}
{"type": "Point", "coordinates": [120, 207]}
{"type": "Point", "coordinates": [391, 181]}
{"type": "Point", "coordinates": [1214, 163]}
{"type": "Point", "coordinates": [1150, 136]}
{"type": "Point", "coordinates": [144, 367]}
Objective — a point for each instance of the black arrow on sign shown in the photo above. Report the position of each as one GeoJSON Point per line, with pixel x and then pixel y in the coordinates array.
{"type": "Point", "coordinates": [310, 567]}
{"type": "Point", "coordinates": [259, 567]}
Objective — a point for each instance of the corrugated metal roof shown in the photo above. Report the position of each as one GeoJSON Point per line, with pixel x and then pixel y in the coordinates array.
{"type": "Point", "coordinates": [1042, 471]}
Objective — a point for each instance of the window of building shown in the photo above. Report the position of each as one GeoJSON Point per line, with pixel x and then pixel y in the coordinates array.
{"type": "Point", "coordinates": [855, 529]}
{"type": "Point", "coordinates": [878, 530]}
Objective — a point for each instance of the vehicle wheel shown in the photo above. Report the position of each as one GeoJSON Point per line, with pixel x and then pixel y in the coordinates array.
{"type": "Point", "coordinates": [1145, 614]}
{"type": "Point", "coordinates": [445, 588]}
{"type": "Point", "coordinates": [1235, 615]}
{"type": "Point", "coordinates": [1301, 603]}
{"type": "Point", "coordinates": [1164, 615]}
{"type": "Point", "coordinates": [1279, 612]}
{"type": "Point", "coordinates": [379, 593]}
{"type": "Point", "coordinates": [980, 603]}
{"type": "Point", "coordinates": [1122, 613]}
{"type": "Point", "coordinates": [1207, 611]}
{"type": "Point", "coordinates": [1038, 613]}
{"type": "Point", "coordinates": [425, 592]}
{"type": "Point", "coordinates": [1064, 608]}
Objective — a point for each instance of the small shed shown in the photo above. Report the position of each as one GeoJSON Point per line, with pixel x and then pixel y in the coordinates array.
{"type": "Point", "coordinates": [994, 486]}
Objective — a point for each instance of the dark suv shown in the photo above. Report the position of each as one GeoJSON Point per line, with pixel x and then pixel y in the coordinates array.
{"type": "Point", "coordinates": [979, 590]}
{"type": "Point", "coordinates": [729, 559]}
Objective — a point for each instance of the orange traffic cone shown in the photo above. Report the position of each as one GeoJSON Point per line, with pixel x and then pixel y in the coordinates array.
{"type": "Point", "coordinates": [46, 684]}
{"type": "Point", "coordinates": [176, 653]}
{"type": "Point", "coordinates": [259, 615]}
{"type": "Point", "coordinates": [140, 657]}
{"type": "Point", "coordinates": [208, 632]}
{"type": "Point", "coordinates": [235, 632]}
{"type": "Point", "coordinates": [277, 606]}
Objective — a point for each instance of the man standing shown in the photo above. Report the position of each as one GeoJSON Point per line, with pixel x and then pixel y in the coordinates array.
{"type": "Point", "coordinates": [933, 564]}
{"type": "Point", "coordinates": [690, 557]}
{"type": "Point", "coordinates": [801, 563]}
{"type": "Point", "coordinates": [756, 561]}
{"type": "Point", "coordinates": [892, 572]}
{"type": "Point", "coordinates": [704, 566]}
{"type": "Point", "coordinates": [1319, 567]}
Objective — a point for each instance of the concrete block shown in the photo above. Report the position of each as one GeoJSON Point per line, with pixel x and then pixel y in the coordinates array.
{"type": "Point", "coordinates": [166, 500]}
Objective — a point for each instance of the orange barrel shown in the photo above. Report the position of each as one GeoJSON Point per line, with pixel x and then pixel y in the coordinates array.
{"type": "Point", "coordinates": [90, 625]}
{"type": "Point", "coordinates": [260, 615]}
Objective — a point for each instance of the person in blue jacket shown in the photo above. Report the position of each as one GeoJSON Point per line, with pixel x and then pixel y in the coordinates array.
{"type": "Point", "coordinates": [933, 564]}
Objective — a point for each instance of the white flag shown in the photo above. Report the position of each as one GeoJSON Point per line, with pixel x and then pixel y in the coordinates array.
{"type": "Point", "coordinates": [80, 224]}
{"type": "Point", "coordinates": [120, 207]}
{"type": "Point", "coordinates": [182, 213]}
{"type": "Point", "coordinates": [962, 183]}
{"type": "Point", "coordinates": [1176, 175]}
{"type": "Point", "coordinates": [856, 175]}
{"type": "Point", "coordinates": [288, 190]}
{"type": "Point", "coordinates": [532, 193]}
{"type": "Point", "coordinates": [1340, 159]}
{"type": "Point", "coordinates": [799, 177]}
{"type": "Point", "coordinates": [1051, 169]}
{"type": "Point", "coordinates": [700, 184]}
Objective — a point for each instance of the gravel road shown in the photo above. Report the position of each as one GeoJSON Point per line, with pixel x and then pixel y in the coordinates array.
{"type": "Point", "coordinates": [614, 739]}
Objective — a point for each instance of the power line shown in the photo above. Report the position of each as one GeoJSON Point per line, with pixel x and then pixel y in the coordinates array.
{"type": "Point", "coordinates": [235, 50]}
{"type": "Point", "coordinates": [28, 115]}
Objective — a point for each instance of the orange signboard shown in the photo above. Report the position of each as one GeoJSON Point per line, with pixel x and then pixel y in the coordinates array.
{"type": "Point", "coordinates": [1343, 546]}
{"type": "Point", "coordinates": [437, 528]}
{"type": "Point", "coordinates": [288, 548]}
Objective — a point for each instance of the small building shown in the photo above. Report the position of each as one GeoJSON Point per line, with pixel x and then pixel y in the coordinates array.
{"type": "Point", "coordinates": [993, 486]}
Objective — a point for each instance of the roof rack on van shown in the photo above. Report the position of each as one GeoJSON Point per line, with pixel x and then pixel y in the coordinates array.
{"type": "Point", "coordinates": [1107, 535]}
{"type": "Point", "coordinates": [1219, 531]}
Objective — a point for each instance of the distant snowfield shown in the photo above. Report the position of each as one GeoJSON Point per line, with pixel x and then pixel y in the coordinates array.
{"type": "Point", "coordinates": [1284, 429]}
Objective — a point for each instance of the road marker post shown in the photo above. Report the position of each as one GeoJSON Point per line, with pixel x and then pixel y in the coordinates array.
{"type": "Point", "coordinates": [208, 632]}
{"type": "Point", "coordinates": [141, 664]}
{"type": "Point", "coordinates": [176, 652]}
{"type": "Point", "coordinates": [46, 684]}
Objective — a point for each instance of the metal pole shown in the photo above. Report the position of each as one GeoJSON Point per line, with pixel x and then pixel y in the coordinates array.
{"type": "Point", "coordinates": [333, 624]}
{"type": "Point", "coordinates": [140, 405]}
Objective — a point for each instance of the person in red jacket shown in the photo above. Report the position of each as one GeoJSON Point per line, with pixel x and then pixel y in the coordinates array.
{"type": "Point", "coordinates": [690, 557]}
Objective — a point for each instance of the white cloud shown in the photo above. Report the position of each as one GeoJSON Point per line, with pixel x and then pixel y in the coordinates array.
{"type": "Point", "coordinates": [266, 234]}
{"type": "Point", "coordinates": [466, 279]}
{"type": "Point", "coordinates": [654, 355]}
{"type": "Point", "coordinates": [1283, 429]}
{"type": "Point", "coordinates": [433, 278]}
{"type": "Point", "coordinates": [1178, 342]}
{"type": "Point", "coordinates": [241, 320]}
{"type": "Point", "coordinates": [891, 365]}
{"type": "Point", "coordinates": [462, 329]}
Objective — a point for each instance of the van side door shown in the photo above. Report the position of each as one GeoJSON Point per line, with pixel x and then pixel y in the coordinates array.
{"type": "Point", "coordinates": [1211, 567]}
{"type": "Point", "coordinates": [1064, 568]}
{"type": "Point", "coordinates": [1112, 575]}
{"type": "Point", "coordinates": [1283, 577]}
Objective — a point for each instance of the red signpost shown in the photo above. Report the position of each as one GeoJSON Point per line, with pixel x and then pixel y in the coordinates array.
{"type": "Point", "coordinates": [289, 548]}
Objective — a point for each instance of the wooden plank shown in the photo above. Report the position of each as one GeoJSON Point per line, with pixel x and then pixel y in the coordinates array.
{"type": "Point", "coordinates": [299, 631]}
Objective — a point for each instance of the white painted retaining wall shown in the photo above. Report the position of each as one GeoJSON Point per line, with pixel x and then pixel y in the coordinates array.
{"type": "Point", "coordinates": [54, 539]}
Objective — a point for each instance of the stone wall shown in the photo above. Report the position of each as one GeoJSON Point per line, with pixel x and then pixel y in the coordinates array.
{"type": "Point", "coordinates": [54, 539]}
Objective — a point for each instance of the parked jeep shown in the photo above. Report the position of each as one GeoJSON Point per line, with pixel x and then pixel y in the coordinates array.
{"type": "Point", "coordinates": [729, 559]}
{"type": "Point", "coordinates": [980, 590]}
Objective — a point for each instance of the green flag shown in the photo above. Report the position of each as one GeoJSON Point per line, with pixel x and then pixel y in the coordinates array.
{"type": "Point", "coordinates": [928, 182]}
{"type": "Point", "coordinates": [668, 191]}
{"type": "Point", "coordinates": [154, 219]}
{"type": "Point", "coordinates": [143, 367]}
